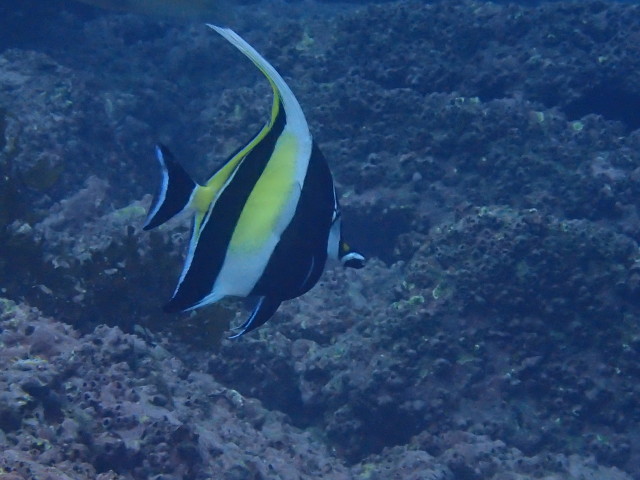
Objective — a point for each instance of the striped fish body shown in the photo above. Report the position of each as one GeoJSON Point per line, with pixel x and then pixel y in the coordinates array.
{"type": "Point", "coordinates": [300, 256]}
{"type": "Point", "coordinates": [265, 222]}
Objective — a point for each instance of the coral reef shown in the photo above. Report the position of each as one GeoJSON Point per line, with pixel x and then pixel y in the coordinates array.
{"type": "Point", "coordinates": [110, 403]}
{"type": "Point", "coordinates": [487, 159]}
{"type": "Point", "coordinates": [112, 406]}
{"type": "Point", "coordinates": [489, 330]}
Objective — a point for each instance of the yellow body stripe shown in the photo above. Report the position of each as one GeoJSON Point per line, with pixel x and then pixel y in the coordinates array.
{"type": "Point", "coordinates": [269, 197]}
{"type": "Point", "coordinates": [205, 195]}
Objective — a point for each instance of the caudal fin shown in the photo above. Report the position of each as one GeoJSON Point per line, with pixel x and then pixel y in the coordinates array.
{"type": "Point", "coordinates": [175, 190]}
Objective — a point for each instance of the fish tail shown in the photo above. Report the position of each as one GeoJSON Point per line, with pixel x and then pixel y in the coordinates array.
{"type": "Point", "coordinates": [176, 190]}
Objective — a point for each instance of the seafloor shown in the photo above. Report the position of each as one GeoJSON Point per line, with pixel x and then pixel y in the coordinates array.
{"type": "Point", "coordinates": [488, 159]}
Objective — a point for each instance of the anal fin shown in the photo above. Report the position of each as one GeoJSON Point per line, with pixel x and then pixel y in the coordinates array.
{"type": "Point", "coordinates": [263, 311]}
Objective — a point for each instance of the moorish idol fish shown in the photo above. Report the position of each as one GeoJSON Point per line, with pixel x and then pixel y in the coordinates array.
{"type": "Point", "coordinates": [265, 222]}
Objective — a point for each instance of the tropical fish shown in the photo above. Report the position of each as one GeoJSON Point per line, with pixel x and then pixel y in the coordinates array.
{"type": "Point", "coordinates": [265, 222]}
{"type": "Point", "coordinates": [199, 9]}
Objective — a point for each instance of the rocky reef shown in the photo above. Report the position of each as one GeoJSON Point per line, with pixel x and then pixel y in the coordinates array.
{"type": "Point", "coordinates": [109, 405]}
{"type": "Point", "coordinates": [487, 158]}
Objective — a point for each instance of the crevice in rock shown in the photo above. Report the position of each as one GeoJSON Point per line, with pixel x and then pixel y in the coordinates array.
{"type": "Point", "coordinates": [612, 100]}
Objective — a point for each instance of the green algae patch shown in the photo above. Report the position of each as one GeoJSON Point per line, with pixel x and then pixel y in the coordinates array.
{"type": "Point", "coordinates": [577, 126]}
{"type": "Point", "coordinates": [130, 212]}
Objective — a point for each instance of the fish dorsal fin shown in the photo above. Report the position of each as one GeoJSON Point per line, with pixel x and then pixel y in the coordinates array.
{"type": "Point", "coordinates": [283, 98]}
{"type": "Point", "coordinates": [281, 91]}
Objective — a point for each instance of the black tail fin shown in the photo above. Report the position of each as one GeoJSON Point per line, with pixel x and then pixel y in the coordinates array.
{"type": "Point", "coordinates": [175, 190]}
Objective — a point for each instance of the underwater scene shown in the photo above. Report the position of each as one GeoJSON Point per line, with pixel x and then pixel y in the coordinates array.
{"type": "Point", "coordinates": [311, 239]}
